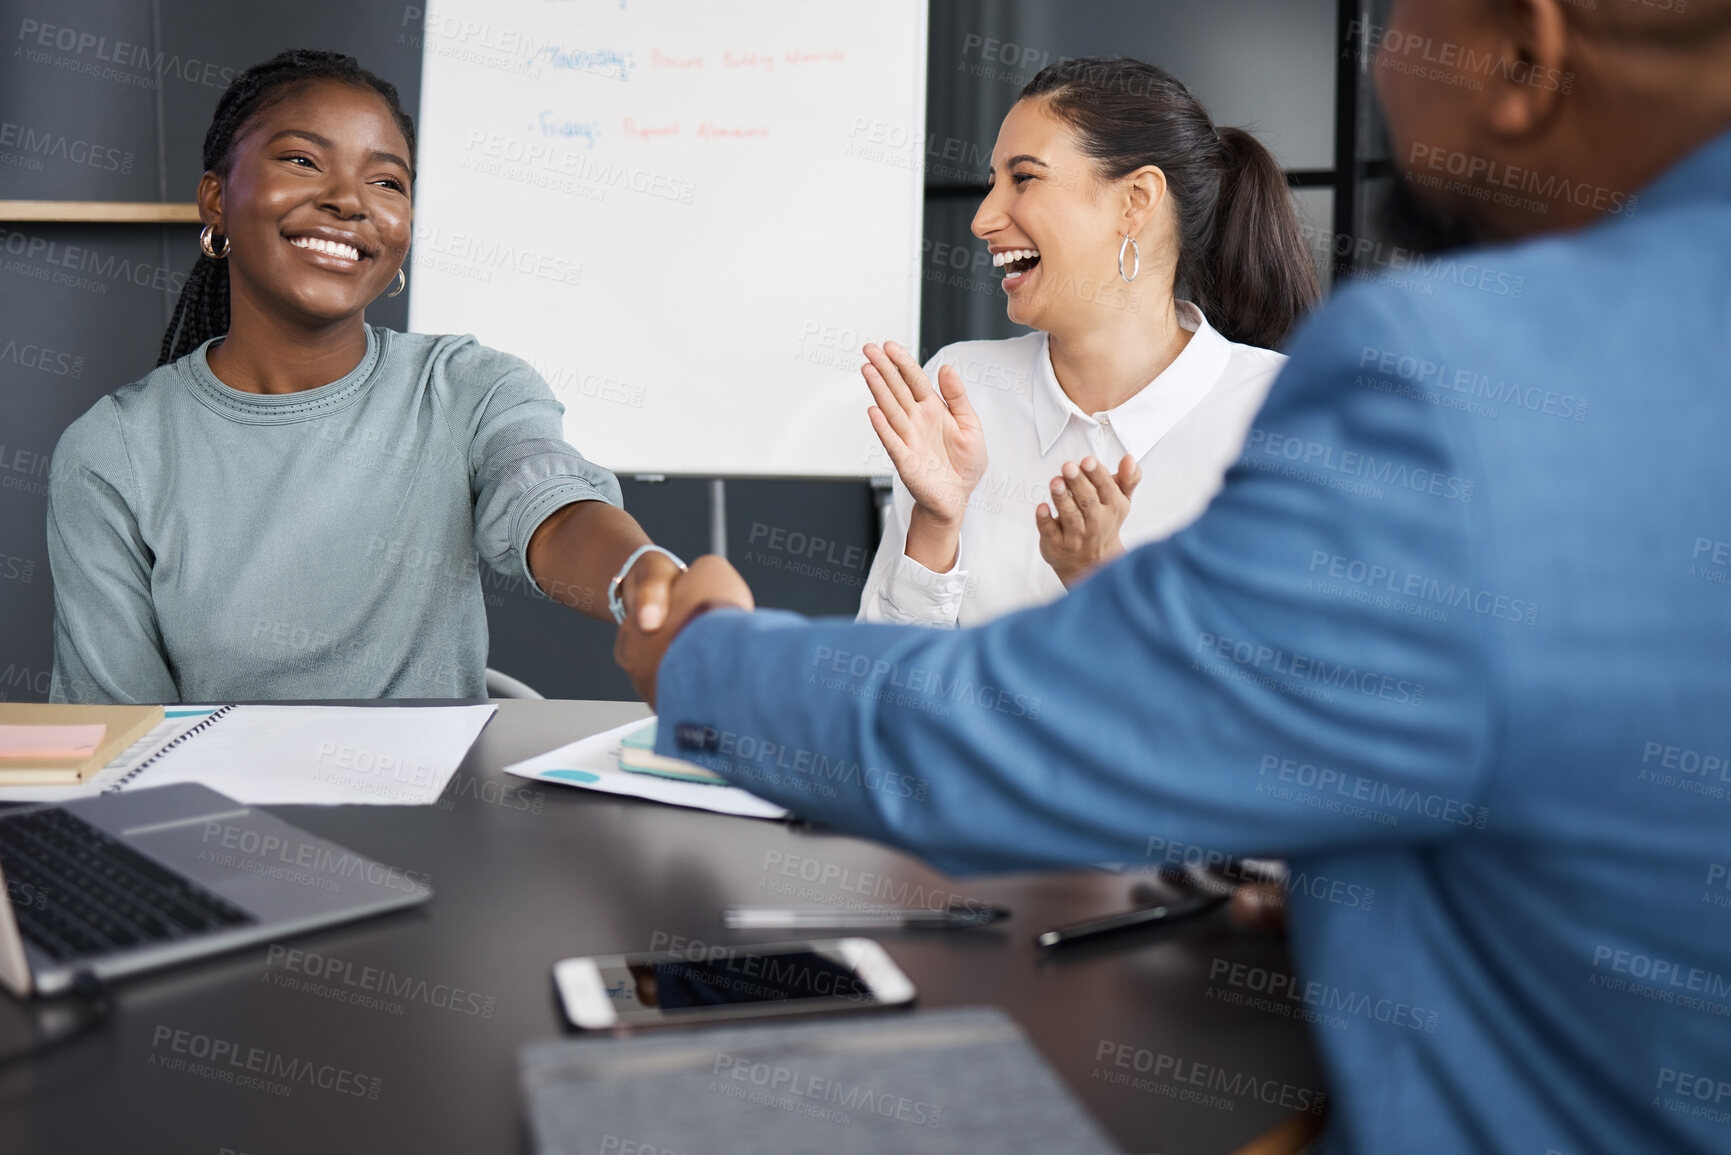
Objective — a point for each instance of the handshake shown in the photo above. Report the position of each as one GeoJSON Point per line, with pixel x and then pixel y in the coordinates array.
{"type": "Point", "coordinates": [660, 599]}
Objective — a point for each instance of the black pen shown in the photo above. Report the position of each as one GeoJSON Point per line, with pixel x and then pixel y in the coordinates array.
{"type": "Point", "coordinates": [1141, 916]}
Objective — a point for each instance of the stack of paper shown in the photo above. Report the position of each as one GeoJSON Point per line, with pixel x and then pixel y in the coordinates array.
{"type": "Point", "coordinates": [54, 743]}
{"type": "Point", "coordinates": [59, 745]}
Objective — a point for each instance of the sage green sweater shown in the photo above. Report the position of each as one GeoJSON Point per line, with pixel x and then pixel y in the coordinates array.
{"type": "Point", "coordinates": [213, 545]}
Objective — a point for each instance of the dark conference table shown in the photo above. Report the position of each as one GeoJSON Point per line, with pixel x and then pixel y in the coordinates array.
{"type": "Point", "coordinates": [525, 874]}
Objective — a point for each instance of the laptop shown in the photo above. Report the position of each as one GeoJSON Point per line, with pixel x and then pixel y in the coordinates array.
{"type": "Point", "coordinates": [130, 882]}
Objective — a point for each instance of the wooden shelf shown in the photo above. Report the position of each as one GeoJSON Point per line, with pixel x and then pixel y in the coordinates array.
{"type": "Point", "coordinates": [100, 212]}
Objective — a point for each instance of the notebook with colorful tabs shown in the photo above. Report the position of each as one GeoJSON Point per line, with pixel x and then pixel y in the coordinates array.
{"type": "Point", "coordinates": [598, 763]}
{"type": "Point", "coordinates": [638, 756]}
{"type": "Point", "coordinates": [50, 745]}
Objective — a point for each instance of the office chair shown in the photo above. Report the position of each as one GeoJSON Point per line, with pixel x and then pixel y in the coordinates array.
{"type": "Point", "coordinates": [505, 686]}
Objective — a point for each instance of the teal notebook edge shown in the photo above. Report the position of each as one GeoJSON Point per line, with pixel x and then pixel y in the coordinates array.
{"type": "Point", "coordinates": [641, 742]}
{"type": "Point", "coordinates": [642, 738]}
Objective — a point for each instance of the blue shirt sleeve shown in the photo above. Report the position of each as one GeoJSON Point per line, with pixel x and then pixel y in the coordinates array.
{"type": "Point", "coordinates": [1239, 688]}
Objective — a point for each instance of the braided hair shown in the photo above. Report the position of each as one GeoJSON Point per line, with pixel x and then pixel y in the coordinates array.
{"type": "Point", "coordinates": [202, 311]}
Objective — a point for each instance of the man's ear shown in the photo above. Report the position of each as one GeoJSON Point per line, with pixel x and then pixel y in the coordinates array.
{"type": "Point", "coordinates": [210, 201]}
{"type": "Point", "coordinates": [1528, 84]}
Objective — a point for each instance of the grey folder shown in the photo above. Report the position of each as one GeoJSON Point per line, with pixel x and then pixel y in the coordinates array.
{"type": "Point", "coordinates": [949, 1082]}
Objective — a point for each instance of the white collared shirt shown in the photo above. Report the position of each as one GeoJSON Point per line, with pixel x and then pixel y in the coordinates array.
{"type": "Point", "coordinates": [1185, 428]}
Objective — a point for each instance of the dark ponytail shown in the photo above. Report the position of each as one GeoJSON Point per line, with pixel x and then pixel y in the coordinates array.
{"type": "Point", "coordinates": [1241, 253]}
{"type": "Point", "coordinates": [1263, 280]}
{"type": "Point", "coordinates": [202, 311]}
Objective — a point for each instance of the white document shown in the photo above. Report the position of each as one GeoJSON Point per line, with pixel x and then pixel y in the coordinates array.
{"type": "Point", "coordinates": [293, 755]}
{"type": "Point", "coordinates": [592, 763]}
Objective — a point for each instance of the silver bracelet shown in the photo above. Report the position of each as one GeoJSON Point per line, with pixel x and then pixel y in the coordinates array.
{"type": "Point", "coordinates": [614, 602]}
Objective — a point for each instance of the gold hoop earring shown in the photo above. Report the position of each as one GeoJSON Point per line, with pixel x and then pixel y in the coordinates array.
{"type": "Point", "coordinates": [1136, 270]}
{"type": "Point", "coordinates": [204, 242]}
{"type": "Point", "coordinates": [402, 283]}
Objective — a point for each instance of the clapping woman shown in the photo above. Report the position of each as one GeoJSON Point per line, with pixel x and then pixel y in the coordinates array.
{"type": "Point", "coordinates": [1159, 260]}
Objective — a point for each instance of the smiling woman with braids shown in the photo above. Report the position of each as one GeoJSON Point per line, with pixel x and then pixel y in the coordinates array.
{"type": "Point", "coordinates": [295, 504]}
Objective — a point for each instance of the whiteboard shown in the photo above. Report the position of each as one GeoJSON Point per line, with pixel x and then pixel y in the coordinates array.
{"type": "Point", "coordinates": [688, 215]}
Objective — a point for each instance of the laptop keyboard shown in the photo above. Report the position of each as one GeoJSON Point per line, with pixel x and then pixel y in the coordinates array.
{"type": "Point", "coordinates": [98, 895]}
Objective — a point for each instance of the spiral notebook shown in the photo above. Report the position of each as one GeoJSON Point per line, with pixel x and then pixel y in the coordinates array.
{"type": "Point", "coordinates": [293, 755]}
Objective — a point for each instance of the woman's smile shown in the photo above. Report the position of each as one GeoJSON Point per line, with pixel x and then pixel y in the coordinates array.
{"type": "Point", "coordinates": [332, 249]}
{"type": "Point", "coordinates": [1018, 265]}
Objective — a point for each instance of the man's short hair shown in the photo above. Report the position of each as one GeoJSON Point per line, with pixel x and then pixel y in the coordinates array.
{"type": "Point", "coordinates": [1666, 24]}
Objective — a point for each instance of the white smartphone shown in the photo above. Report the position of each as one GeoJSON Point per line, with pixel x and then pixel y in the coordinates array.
{"type": "Point", "coordinates": [713, 983]}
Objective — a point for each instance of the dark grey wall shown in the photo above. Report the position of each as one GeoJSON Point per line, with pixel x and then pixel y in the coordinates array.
{"type": "Point", "coordinates": [1265, 65]}
{"type": "Point", "coordinates": [109, 100]}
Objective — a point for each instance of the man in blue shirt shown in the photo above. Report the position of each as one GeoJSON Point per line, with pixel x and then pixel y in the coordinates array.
{"type": "Point", "coordinates": [1457, 631]}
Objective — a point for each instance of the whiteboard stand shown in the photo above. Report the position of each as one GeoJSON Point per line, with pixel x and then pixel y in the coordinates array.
{"type": "Point", "coordinates": [718, 518]}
